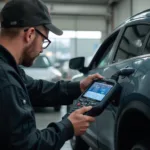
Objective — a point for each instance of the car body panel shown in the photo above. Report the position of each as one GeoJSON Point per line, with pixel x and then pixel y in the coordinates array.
{"type": "Point", "coordinates": [100, 135]}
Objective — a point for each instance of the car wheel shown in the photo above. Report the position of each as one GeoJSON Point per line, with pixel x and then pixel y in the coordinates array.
{"type": "Point", "coordinates": [57, 108]}
{"type": "Point", "coordinates": [78, 144]}
{"type": "Point", "coordinates": [145, 145]}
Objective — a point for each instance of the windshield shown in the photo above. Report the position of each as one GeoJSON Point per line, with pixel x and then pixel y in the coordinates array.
{"type": "Point", "coordinates": [41, 62]}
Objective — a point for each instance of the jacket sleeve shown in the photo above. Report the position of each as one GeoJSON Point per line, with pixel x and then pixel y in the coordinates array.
{"type": "Point", "coordinates": [44, 93]}
{"type": "Point", "coordinates": [20, 124]}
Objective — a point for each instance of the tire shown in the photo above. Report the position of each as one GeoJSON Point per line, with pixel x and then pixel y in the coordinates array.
{"type": "Point", "coordinates": [145, 145]}
{"type": "Point", "coordinates": [57, 108]}
{"type": "Point", "coordinates": [78, 144]}
{"type": "Point", "coordinates": [132, 128]}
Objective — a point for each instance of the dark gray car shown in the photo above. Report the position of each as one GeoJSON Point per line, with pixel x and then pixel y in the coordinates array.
{"type": "Point", "coordinates": [125, 124]}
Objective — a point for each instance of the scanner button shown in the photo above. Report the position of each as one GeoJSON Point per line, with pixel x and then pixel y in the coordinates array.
{"type": "Point", "coordinates": [85, 103]}
{"type": "Point", "coordinates": [78, 104]}
{"type": "Point", "coordinates": [92, 104]}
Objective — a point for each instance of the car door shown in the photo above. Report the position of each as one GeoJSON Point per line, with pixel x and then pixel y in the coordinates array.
{"type": "Point", "coordinates": [103, 55]}
{"type": "Point", "coordinates": [142, 76]}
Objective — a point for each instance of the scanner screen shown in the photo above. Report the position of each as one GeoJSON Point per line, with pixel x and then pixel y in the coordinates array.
{"type": "Point", "coordinates": [98, 91]}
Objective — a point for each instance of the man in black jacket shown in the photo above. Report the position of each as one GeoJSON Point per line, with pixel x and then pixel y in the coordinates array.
{"type": "Point", "coordinates": [25, 25]}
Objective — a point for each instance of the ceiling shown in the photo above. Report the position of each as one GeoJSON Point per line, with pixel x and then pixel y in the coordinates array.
{"type": "Point", "coordinates": [94, 2]}
{"type": "Point", "coordinates": [79, 7]}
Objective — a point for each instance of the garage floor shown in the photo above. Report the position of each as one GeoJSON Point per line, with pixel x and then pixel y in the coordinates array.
{"type": "Point", "coordinates": [46, 115]}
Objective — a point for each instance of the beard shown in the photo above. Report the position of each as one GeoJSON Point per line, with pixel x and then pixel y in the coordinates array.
{"type": "Point", "coordinates": [29, 56]}
{"type": "Point", "coordinates": [28, 62]}
{"type": "Point", "coordinates": [29, 59]}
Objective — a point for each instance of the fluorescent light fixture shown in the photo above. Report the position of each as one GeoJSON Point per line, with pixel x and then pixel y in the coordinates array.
{"type": "Point", "coordinates": [78, 35]}
{"type": "Point", "coordinates": [88, 35]}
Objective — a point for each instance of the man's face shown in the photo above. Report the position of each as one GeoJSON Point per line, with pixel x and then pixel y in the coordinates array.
{"type": "Point", "coordinates": [34, 47]}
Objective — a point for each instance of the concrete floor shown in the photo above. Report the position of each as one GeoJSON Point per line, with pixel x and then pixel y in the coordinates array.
{"type": "Point", "coordinates": [47, 115]}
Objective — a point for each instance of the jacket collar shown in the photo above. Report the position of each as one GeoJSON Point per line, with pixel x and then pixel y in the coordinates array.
{"type": "Point", "coordinates": [6, 56]}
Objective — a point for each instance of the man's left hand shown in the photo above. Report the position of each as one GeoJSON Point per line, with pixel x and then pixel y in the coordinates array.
{"type": "Point", "coordinates": [88, 80]}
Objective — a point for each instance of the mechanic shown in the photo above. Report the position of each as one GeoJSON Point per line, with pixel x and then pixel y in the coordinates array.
{"type": "Point", "coordinates": [25, 25]}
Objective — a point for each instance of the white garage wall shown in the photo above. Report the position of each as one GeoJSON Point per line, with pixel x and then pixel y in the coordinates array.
{"type": "Point", "coordinates": [140, 5]}
{"type": "Point", "coordinates": [91, 24]}
{"type": "Point", "coordinates": [81, 47]}
{"type": "Point", "coordinates": [64, 22]}
{"type": "Point", "coordinates": [122, 10]}
{"type": "Point", "coordinates": [80, 23]}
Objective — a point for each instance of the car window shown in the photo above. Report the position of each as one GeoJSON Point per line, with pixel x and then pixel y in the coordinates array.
{"type": "Point", "coordinates": [104, 60]}
{"type": "Point", "coordinates": [41, 62]}
{"type": "Point", "coordinates": [108, 51]}
{"type": "Point", "coordinates": [132, 42]}
{"type": "Point", "coordinates": [147, 47]}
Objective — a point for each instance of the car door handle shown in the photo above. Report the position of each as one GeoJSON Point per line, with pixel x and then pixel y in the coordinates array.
{"type": "Point", "coordinates": [127, 71]}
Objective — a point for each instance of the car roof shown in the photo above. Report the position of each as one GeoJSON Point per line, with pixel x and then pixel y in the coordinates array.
{"type": "Point", "coordinates": [144, 15]}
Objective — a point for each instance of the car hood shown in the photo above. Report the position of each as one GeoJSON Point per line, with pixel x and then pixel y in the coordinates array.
{"type": "Point", "coordinates": [43, 73]}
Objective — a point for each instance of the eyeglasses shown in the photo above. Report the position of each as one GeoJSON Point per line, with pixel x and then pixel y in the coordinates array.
{"type": "Point", "coordinates": [46, 41]}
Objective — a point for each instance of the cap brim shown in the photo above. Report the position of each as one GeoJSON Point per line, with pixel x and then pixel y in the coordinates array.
{"type": "Point", "coordinates": [53, 29]}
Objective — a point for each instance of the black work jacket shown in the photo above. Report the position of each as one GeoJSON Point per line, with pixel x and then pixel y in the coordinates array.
{"type": "Point", "coordinates": [18, 93]}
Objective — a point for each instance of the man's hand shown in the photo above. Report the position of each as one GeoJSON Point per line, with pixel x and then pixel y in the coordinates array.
{"type": "Point", "coordinates": [79, 121]}
{"type": "Point", "coordinates": [87, 81]}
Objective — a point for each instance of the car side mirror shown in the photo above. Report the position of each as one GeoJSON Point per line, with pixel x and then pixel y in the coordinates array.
{"type": "Point", "coordinates": [78, 64]}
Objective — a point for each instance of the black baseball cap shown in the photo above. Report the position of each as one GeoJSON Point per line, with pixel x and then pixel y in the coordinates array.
{"type": "Point", "coordinates": [27, 13]}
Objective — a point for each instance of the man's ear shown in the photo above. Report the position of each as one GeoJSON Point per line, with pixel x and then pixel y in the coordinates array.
{"type": "Point", "coordinates": [30, 35]}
